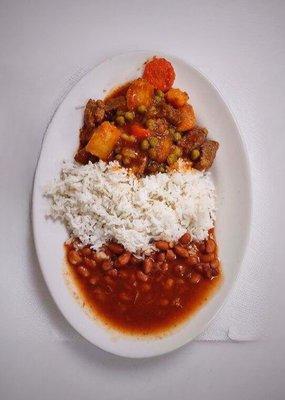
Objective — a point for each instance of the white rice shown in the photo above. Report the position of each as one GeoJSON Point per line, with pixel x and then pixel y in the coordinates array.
{"type": "Point", "coordinates": [101, 202]}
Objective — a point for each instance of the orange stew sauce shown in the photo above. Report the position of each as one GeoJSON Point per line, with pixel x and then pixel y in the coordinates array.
{"type": "Point", "coordinates": [156, 126]}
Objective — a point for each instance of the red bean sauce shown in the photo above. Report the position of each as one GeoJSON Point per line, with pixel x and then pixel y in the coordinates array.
{"type": "Point", "coordinates": [150, 295]}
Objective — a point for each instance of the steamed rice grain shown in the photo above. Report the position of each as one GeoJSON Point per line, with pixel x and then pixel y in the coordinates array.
{"type": "Point", "coordinates": [101, 202]}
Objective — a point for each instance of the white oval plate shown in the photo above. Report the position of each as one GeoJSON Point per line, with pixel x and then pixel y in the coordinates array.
{"type": "Point", "coordinates": [230, 171]}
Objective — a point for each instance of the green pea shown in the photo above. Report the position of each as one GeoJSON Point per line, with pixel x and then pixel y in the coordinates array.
{"type": "Point", "coordinates": [141, 109]}
{"type": "Point", "coordinates": [177, 151]}
{"type": "Point", "coordinates": [119, 113]}
{"type": "Point", "coordinates": [120, 120]}
{"type": "Point", "coordinates": [152, 153]}
{"type": "Point", "coordinates": [153, 141]}
{"type": "Point", "coordinates": [195, 154]}
{"type": "Point", "coordinates": [171, 159]}
{"type": "Point", "coordinates": [157, 98]}
{"type": "Point", "coordinates": [129, 116]}
{"type": "Point", "coordinates": [128, 138]}
{"type": "Point", "coordinates": [177, 136]}
{"type": "Point", "coordinates": [132, 139]}
{"type": "Point", "coordinates": [145, 144]}
{"type": "Point", "coordinates": [150, 123]}
{"type": "Point", "coordinates": [129, 153]}
{"type": "Point", "coordinates": [160, 93]}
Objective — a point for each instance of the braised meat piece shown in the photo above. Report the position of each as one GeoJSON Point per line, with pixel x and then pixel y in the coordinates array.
{"type": "Point", "coordinates": [193, 139]}
{"type": "Point", "coordinates": [115, 103]}
{"type": "Point", "coordinates": [161, 126]}
{"type": "Point", "coordinates": [171, 114]}
{"type": "Point", "coordinates": [208, 153]}
{"type": "Point", "coordinates": [139, 168]}
{"type": "Point", "coordinates": [82, 157]}
{"type": "Point", "coordinates": [94, 113]}
{"type": "Point", "coordinates": [84, 135]}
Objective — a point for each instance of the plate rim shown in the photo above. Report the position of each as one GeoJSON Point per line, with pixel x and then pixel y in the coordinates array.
{"type": "Point", "coordinates": [248, 181]}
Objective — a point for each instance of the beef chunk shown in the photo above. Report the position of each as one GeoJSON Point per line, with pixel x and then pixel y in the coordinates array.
{"type": "Point", "coordinates": [94, 113]}
{"type": "Point", "coordinates": [171, 114]}
{"type": "Point", "coordinates": [139, 168]}
{"type": "Point", "coordinates": [161, 127]}
{"type": "Point", "coordinates": [85, 135]}
{"type": "Point", "coordinates": [82, 157]}
{"type": "Point", "coordinates": [115, 103]}
{"type": "Point", "coordinates": [193, 139]}
{"type": "Point", "coordinates": [208, 153]}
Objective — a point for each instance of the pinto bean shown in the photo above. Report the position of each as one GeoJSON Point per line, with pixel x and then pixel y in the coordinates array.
{"type": "Point", "coordinates": [116, 248]}
{"type": "Point", "coordinates": [215, 263]}
{"type": "Point", "coordinates": [83, 271]}
{"type": "Point", "coordinates": [210, 246]}
{"type": "Point", "coordinates": [180, 251]}
{"type": "Point", "coordinates": [202, 247]}
{"type": "Point", "coordinates": [100, 256]}
{"type": "Point", "coordinates": [86, 251]}
{"type": "Point", "coordinates": [135, 260]}
{"type": "Point", "coordinates": [214, 271]}
{"type": "Point", "coordinates": [94, 280]}
{"type": "Point", "coordinates": [124, 259]}
{"type": "Point", "coordinates": [109, 281]}
{"type": "Point", "coordinates": [148, 265]}
{"type": "Point", "coordinates": [195, 278]}
{"type": "Point", "coordinates": [125, 297]}
{"type": "Point", "coordinates": [145, 288]}
{"type": "Point", "coordinates": [123, 274]}
{"type": "Point", "coordinates": [112, 272]}
{"type": "Point", "coordinates": [74, 257]}
{"type": "Point", "coordinates": [205, 258]}
{"type": "Point", "coordinates": [106, 265]}
{"type": "Point", "coordinates": [164, 267]}
{"type": "Point", "coordinates": [170, 255]}
{"type": "Point", "coordinates": [89, 262]}
{"type": "Point", "coordinates": [162, 245]}
{"type": "Point", "coordinates": [185, 239]}
{"type": "Point", "coordinates": [192, 260]}
{"type": "Point", "coordinates": [160, 257]}
{"type": "Point", "coordinates": [207, 271]}
{"type": "Point", "coordinates": [169, 283]}
{"type": "Point", "coordinates": [180, 269]}
{"type": "Point", "coordinates": [142, 277]}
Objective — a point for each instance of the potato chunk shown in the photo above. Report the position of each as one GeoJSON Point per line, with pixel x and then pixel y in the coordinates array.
{"type": "Point", "coordinates": [139, 93]}
{"type": "Point", "coordinates": [176, 97]}
{"type": "Point", "coordinates": [103, 140]}
{"type": "Point", "coordinates": [163, 149]}
{"type": "Point", "coordinates": [187, 118]}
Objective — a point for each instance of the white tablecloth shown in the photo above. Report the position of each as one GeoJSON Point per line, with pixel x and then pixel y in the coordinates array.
{"type": "Point", "coordinates": [240, 47]}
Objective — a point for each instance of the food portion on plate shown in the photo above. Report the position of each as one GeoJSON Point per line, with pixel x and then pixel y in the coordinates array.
{"type": "Point", "coordinates": [140, 206]}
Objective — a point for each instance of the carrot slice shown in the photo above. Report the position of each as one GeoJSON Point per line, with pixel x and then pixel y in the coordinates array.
{"type": "Point", "coordinates": [159, 73]}
{"type": "Point", "coordinates": [139, 132]}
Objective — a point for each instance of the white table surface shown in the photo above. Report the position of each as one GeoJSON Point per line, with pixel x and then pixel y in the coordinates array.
{"type": "Point", "coordinates": [44, 44]}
